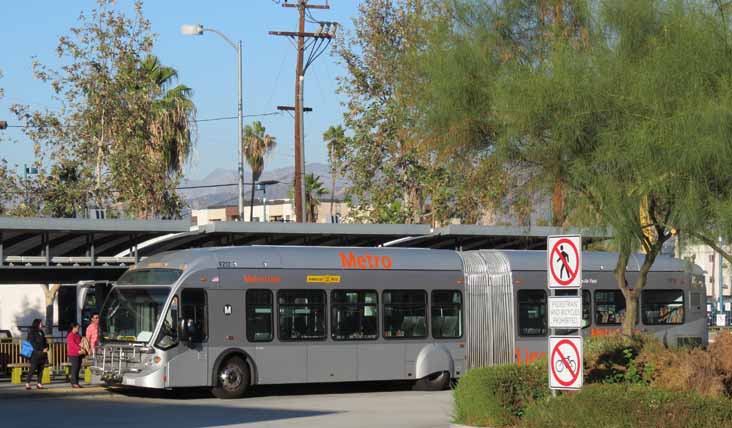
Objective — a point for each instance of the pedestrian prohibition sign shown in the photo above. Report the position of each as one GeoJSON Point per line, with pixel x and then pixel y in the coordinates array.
{"type": "Point", "coordinates": [565, 362]}
{"type": "Point", "coordinates": [564, 261]}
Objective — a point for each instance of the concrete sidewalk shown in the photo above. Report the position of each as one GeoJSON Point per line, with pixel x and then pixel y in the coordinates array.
{"type": "Point", "coordinates": [9, 391]}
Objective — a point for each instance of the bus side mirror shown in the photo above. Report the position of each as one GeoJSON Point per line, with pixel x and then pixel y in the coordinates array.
{"type": "Point", "coordinates": [183, 331]}
{"type": "Point", "coordinates": [189, 332]}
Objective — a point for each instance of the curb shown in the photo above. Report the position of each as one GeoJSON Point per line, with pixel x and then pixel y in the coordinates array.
{"type": "Point", "coordinates": [52, 393]}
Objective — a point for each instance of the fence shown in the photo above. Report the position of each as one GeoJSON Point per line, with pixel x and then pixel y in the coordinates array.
{"type": "Point", "coordinates": [10, 354]}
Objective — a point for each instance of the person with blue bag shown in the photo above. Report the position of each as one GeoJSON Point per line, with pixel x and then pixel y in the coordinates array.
{"type": "Point", "coordinates": [38, 356]}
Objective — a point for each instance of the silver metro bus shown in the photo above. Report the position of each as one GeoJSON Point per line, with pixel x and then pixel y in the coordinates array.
{"type": "Point", "coordinates": [234, 317]}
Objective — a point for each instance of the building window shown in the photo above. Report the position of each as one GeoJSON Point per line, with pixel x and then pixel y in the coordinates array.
{"type": "Point", "coordinates": [259, 316]}
{"type": "Point", "coordinates": [354, 315]}
{"type": "Point", "coordinates": [404, 313]}
{"type": "Point", "coordinates": [532, 312]}
{"type": "Point", "coordinates": [447, 314]}
{"type": "Point", "coordinates": [609, 307]}
{"type": "Point", "coordinates": [301, 314]}
{"type": "Point", "coordinates": [662, 307]}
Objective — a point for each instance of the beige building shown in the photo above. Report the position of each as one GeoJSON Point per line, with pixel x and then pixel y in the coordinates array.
{"type": "Point", "coordinates": [707, 259]}
{"type": "Point", "coordinates": [277, 210]}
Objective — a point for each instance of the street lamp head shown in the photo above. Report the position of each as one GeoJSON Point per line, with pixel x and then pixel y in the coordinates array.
{"type": "Point", "coordinates": [191, 30]}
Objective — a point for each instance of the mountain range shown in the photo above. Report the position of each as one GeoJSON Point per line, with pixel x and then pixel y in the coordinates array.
{"type": "Point", "coordinates": [227, 195]}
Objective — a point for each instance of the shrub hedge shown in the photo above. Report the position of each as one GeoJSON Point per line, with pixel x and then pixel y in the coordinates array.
{"type": "Point", "coordinates": [497, 396]}
{"type": "Point", "coordinates": [629, 406]}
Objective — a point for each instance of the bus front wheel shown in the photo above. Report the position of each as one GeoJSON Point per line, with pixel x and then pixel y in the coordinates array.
{"type": "Point", "coordinates": [232, 379]}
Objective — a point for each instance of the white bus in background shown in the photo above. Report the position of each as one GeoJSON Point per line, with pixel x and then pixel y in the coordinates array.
{"type": "Point", "coordinates": [21, 303]}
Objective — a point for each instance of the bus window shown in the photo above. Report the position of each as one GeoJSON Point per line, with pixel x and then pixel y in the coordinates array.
{"type": "Point", "coordinates": [662, 307]}
{"type": "Point", "coordinates": [193, 307]}
{"type": "Point", "coordinates": [302, 314]}
{"type": "Point", "coordinates": [259, 316]}
{"type": "Point", "coordinates": [586, 306]}
{"type": "Point", "coordinates": [354, 315]}
{"type": "Point", "coordinates": [447, 314]}
{"type": "Point", "coordinates": [532, 312]}
{"type": "Point", "coordinates": [405, 313]}
{"type": "Point", "coordinates": [609, 307]}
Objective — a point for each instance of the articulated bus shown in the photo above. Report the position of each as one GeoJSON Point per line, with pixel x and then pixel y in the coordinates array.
{"type": "Point", "coordinates": [233, 317]}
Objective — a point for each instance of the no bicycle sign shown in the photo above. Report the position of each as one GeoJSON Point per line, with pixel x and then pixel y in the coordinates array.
{"type": "Point", "coordinates": [564, 261]}
{"type": "Point", "coordinates": [565, 362]}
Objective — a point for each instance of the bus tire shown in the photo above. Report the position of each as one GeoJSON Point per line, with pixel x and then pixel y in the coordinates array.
{"type": "Point", "coordinates": [434, 382]}
{"type": "Point", "coordinates": [232, 379]}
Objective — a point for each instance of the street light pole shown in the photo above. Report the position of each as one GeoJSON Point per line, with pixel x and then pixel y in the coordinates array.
{"type": "Point", "coordinates": [198, 30]}
{"type": "Point", "coordinates": [240, 141]}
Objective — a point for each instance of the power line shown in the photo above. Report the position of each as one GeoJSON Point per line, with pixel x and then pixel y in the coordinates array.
{"type": "Point", "coordinates": [211, 119]}
{"type": "Point", "coordinates": [208, 186]}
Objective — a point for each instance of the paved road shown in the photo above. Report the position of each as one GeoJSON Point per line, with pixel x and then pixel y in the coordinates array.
{"type": "Point", "coordinates": [300, 406]}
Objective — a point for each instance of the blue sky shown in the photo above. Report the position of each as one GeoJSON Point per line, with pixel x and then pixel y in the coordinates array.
{"type": "Point", "coordinates": [205, 63]}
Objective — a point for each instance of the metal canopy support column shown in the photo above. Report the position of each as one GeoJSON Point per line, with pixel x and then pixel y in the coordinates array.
{"type": "Point", "coordinates": [137, 254]}
{"type": "Point", "coordinates": [133, 247]}
{"type": "Point", "coordinates": [46, 248]}
{"type": "Point", "coordinates": [92, 256]}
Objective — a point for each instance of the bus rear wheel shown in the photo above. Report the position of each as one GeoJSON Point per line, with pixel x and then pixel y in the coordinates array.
{"type": "Point", "coordinates": [232, 379]}
{"type": "Point", "coordinates": [434, 382]}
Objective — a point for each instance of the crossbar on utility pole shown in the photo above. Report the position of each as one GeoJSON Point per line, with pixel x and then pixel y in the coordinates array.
{"type": "Point", "coordinates": [300, 35]}
{"type": "Point", "coordinates": [292, 108]}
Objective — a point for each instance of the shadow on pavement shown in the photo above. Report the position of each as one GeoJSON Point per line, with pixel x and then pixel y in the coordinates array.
{"type": "Point", "coordinates": [271, 390]}
{"type": "Point", "coordinates": [75, 413]}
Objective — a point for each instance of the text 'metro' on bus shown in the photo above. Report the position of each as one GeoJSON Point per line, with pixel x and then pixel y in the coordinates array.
{"type": "Point", "coordinates": [234, 317]}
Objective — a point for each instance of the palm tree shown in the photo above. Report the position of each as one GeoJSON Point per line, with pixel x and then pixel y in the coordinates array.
{"type": "Point", "coordinates": [313, 191]}
{"type": "Point", "coordinates": [257, 144]}
{"type": "Point", "coordinates": [172, 126]}
{"type": "Point", "coordinates": [335, 136]}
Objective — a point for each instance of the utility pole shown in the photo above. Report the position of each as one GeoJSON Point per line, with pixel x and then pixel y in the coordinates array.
{"type": "Point", "coordinates": [321, 39]}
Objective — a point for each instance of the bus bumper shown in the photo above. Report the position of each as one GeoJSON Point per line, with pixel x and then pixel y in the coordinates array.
{"type": "Point", "coordinates": [153, 379]}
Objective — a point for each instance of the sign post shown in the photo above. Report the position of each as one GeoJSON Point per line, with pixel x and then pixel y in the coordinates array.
{"type": "Point", "coordinates": [564, 272]}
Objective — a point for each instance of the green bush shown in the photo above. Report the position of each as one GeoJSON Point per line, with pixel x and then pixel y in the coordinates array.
{"type": "Point", "coordinates": [612, 359]}
{"type": "Point", "coordinates": [498, 396]}
{"type": "Point", "coordinates": [629, 406]}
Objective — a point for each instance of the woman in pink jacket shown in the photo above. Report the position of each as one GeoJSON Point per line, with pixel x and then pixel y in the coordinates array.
{"type": "Point", "coordinates": [73, 348]}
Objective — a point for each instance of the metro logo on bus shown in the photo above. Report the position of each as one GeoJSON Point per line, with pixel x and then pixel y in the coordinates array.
{"type": "Point", "coordinates": [366, 261]}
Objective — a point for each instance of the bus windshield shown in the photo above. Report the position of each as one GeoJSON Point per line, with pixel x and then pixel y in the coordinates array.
{"type": "Point", "coordinates": [130, 314]}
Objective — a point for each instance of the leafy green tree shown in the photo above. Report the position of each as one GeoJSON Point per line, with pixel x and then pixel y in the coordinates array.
{"type": "Point", "coordinates": [257, 144]}
{"type": "Point", "coordinates": [385, 160]}
{"type": "Point", "coordinates": [462, 61]}
{"type": "Point", "coordinates": [637, 116]}
{"type": "Point", "coordinates": [314, 190]}
{"type": "Point", "coordinates": [62, 191]}
{"type": "Point", "coordinates": [124, 126]}
{"type": "Point", "coordinates": [335, 138]}
{"type": "Point", "coordinates": [8, 182]}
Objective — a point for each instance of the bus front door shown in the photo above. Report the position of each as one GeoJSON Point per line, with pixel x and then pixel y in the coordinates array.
{"type": "Point", "coordinates": [190, 366]}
